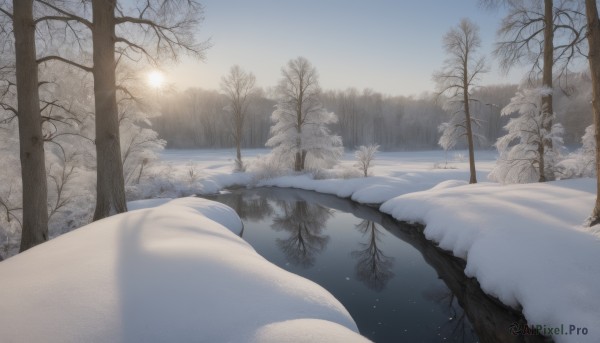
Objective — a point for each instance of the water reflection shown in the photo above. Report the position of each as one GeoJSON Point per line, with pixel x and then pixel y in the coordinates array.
{"type": "Point", "coordinates": [305, 223]}
{"type": "Point", "coordinates": [248, 205]}
{"type": "Point", "coordinates": [464, 298]}
{"type": "Point", "coordinates": [406, 288]}
{"type": "Point", "coordinates": [373, 267]}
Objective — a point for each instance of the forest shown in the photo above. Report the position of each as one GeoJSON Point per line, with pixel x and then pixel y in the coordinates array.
{"type": "Point", "coordinates": [197, 118]}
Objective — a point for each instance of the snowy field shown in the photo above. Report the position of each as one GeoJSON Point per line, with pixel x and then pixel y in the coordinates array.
{"type": "Point", "coordinates": [525, 244]}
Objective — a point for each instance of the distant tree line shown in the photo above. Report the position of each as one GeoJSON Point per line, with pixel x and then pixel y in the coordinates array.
{"type": "Point", "coordinates": [198, 118]}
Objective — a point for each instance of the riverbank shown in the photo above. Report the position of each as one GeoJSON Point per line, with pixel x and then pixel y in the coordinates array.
{"type": "Point", "coordinates": [516, 241]}
{"type": "Point", "coordinates": [177, 272]}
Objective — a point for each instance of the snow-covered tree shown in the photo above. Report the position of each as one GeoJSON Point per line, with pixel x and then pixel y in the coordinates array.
{"type": "Point", "coordinates": [299, 130]}
{"type": "Point", "coordinates": [581, 163]}
{"type": "Point", "coordinates": [364, 156]}
{"type": "Point", "coordinates": [593, 37]}
{"type": "Point", "coordinates": [522, 155]}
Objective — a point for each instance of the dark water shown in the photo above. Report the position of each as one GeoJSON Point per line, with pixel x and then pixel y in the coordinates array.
{"type": "Point", "coordinates": [397, 286]}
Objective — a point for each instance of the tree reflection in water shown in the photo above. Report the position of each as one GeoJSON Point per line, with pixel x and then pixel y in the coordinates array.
{"type": "Point", "coordinates": [302, 218]}
{"type": "Point", "coordinates": [305, 223]}
{"type": "Point", "coordinates": [373, 267]}
{"type": "Point", "coordinates": [249, 206]}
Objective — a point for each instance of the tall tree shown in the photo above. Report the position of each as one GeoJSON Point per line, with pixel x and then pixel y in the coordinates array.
{"type": "Point", "coordinates": [31, 140]}
{"type": "Point", "coordinates": [547, 35]}
{"type": "Point", "coordinates": [238, 86]}
{"type": "Point", "coordinates": [460, 73]}
{"type": "Point", "coordinates": [593, 36]}
{"type": "Point", "coordinates": [110, 183]}
{"type": "Point", "coordinates": [300, 121]}
{"type": "Point", "coordinates": [160, 29]}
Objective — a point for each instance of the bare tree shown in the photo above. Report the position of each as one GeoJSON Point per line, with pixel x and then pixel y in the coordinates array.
{"type": "Point", "coordinates": [364, 156]}
{"type": "Point", "coordinates": [593, 36]}
{"type": "Point", "coordinates": [31, 139]}
{"type": "Point", "coordinates": [238, 86]}
{"type": "Point", "coordinates": [459, 75]}
{"type": "Point", "coordinates": [163, 29]}
{"type": "Point", "coordinates": [546, 34]}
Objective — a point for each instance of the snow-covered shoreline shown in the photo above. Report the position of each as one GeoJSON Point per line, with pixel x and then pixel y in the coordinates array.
{"type": "Point", "coordinates": [525, 244]}
{"type": "Point", "coordinates": [516, 239]}
{"type": "Point", "coordinates": [177, 272]}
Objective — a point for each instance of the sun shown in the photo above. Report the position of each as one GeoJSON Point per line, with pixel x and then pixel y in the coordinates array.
{"type": "Point", "coordinates": [156, 79]}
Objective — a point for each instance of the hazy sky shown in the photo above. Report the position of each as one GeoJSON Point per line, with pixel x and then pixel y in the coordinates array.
{"type": "Point", "coordinates": [390, 46]}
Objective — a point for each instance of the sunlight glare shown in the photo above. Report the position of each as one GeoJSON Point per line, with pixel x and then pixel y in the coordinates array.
{"type": "Point", "coordinates": [156, 79]}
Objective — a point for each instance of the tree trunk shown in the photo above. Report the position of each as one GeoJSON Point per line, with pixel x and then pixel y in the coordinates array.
{"type": "Point", "coordinates": [593, 36]}
{"type": "Point", "coordinates": [542, 163]}
{"type": "Point", "coordinates": [473, 174]}
{"type": "Point", "coordinates": [547, 107]}
{"type": "Point", "coordinates": [110, 197]}
{"type": "Point", "coordinates": [31, 141]}
{"type": "Point", "coordinates": [303, 160]}
{"type": "Point", "coordinates": [298, 161]}
{"type": "Point", "coordinates": [238, 142]}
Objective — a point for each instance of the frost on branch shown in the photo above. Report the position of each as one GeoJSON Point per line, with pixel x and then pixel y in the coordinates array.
{"type": "Point", "coordinates": [323, 149]}
{"type": "Point", "coordinates": [364, 156]}
{"type": "Point", "coordinates": [581, 163]}
{"type": "Point", "coordinates": [299, 135]}
{"type": "Point", "coordinates": [523, 154]}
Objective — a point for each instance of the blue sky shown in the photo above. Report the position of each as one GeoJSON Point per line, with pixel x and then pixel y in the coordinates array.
{"type": "Point", "coordinates": [390, 46]}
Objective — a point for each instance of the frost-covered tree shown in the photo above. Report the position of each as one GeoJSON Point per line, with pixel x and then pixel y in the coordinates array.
{"type": "Point", "coordinates": [364, 157]}
{"type": "Point", "coordinates": [593, 36]}
{"type": "Point", "coordinates": [300, 122]}
{"type": "Point", "coordinates": [546, 35]}
{"type": "Point", "coordinates": [523, 154]}
{"type": "Point", "coordinates": [459, 75]}
{"type": "Point", "coordinates": [150, 31]}
{"type": "Point", "coordinates": [238, 86]}
{"type": "Point", "coordinates": [581, 163]}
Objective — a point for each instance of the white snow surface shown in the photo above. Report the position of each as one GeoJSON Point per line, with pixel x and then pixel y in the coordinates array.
{"type": "Point", "coordinates": [525, 244]}
{"type": "Point", "coordinates": [173, 273]}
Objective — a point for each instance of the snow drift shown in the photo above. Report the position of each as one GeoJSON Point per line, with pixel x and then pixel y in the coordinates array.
{"type": "Point", "coordinates": [177, 272]}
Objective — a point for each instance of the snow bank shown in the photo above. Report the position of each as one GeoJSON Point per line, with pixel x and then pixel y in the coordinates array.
{"type": "Point", "coordinates": [525, 244]}
{"type": "Point", "coordinates": [170, 273]}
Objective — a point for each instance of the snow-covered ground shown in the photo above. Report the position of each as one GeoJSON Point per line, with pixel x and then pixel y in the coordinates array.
{"type": "Point", "coordinates": [525, 244]}
{"type": "Point", "coordinates": [173, 273]}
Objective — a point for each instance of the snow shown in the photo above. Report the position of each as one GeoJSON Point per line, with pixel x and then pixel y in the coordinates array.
{"type": "Point", "coordinates": [176, 272]}
{"type": "Point", "coordinates": [525, 244]}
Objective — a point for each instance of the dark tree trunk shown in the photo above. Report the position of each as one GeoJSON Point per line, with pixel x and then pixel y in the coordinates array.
{"type": "Point", "coordinates": [299, 160]}
{"type": "Point", "coordinates": [110, 197]}
{"type": "Point", "coordinates": [547, 173]}
{"type": "Point", "coordinates": [33, 165]}
{"type": "Point", "coordinates": [473, 174]}
{"type": "Point", "coordinates": [238, 141]}
{"type": "Point", "coordinates": [594, 59]}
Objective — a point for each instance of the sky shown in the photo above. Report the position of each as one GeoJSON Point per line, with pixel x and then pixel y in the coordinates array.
{"type": "Point", "coordinates": [392, 47]}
